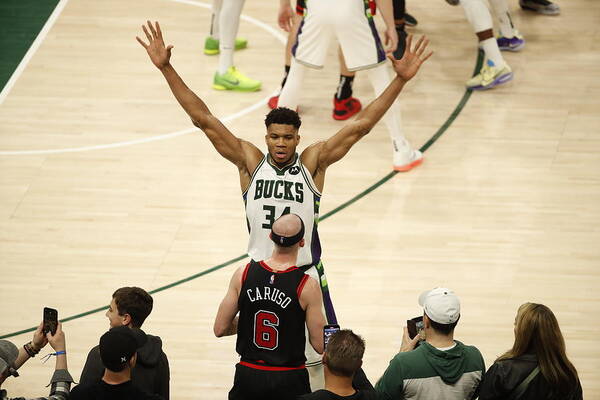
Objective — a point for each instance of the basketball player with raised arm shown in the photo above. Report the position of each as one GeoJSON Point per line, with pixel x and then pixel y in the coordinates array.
{"type": "Point", "coordinates": [275, 300]}
{"type": "Point", "coordinates": [284, 181]}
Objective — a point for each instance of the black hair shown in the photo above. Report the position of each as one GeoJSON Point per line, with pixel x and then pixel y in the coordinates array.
{"type": "Point", "coordinates": [282, 115]}
{"type": "Point", "coordinates": [444, 329]}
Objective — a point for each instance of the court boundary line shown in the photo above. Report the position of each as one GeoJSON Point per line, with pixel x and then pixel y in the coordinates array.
{"type": "Point", "coordinates": [269, 29]}
{"type": "Point", "coordinates": [32, 49]}
{"type": "Point", "coordinates": [457, 110]}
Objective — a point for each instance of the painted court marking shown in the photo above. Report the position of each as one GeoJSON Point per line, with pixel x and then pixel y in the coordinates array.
{"type": "Point", "coordinates": [269, 29]}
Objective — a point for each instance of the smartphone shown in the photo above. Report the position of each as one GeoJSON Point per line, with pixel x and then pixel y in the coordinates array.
{"type": "Point", "coordinates": [50, 320]}
{"type": "Point", "coordinates": [329, 330]}
{"type": "Point", "coordinates": [414, 325]}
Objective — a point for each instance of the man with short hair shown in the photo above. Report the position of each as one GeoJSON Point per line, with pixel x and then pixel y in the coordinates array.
{"type": "Point", "coordinates": [344, 378]}
{"type": "Point", "coordinates": [441, 367]}
{"type": "Point", "coordinates": [12, 358]}
{"type": "Point", "coordinates": [118, 351]}
{"type": "Point", "coordinates": [276, 301]}
{"type": "Point", "coordinates": [130, 306]}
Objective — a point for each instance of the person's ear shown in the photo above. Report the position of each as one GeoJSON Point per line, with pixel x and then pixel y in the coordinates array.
{"type": "Point", "coordinates": [133, 360]}
{"type": "Point", "coordinates": [426, 321]}
{"type": "Point", "coordinates": [126, 319]}
{"type": "Point", "coordinates": [301, 243]}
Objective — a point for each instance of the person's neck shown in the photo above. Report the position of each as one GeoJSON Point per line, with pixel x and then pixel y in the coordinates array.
{"type": "Point", "coordinates": [282, 164]}
{"type": "Point", "coordinates": [340, 385]}
{"type": "Point", "coordinates": [116, 378]}
{"type": "Point", "coordinates": [437, 340]}
{"type": "Point", "coordinates": [282, 261]}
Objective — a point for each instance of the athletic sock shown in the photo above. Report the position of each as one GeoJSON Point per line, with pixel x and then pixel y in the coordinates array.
{"type": "Point", "coordinates": [214, 19]}
{"type": "Point", "coordinates": [492, 52]}
{"type": "Point", "coordinates": [290, 94]}
{"type": "Point", "coordinates": [507, 29]}
{"type": "Point", "coordinates": [285, 75]}
{"type": "Point", "coordinates": [229, 22]}
{"type": "Point", "coordinates": [344, 89]}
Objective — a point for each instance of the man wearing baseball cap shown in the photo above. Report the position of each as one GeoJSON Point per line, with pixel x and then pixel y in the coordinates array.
{"type": "Point", "coordinates": [118, 351]}
{"type": "Point", "coordinates": [441, 367]}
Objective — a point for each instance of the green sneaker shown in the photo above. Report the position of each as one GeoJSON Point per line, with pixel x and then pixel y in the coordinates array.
{"type": "Point", "coordinates": [235, 80]}
{"type": "Point", "coordinates": [211, 46]}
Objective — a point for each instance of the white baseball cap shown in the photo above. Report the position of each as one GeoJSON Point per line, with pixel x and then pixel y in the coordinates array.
{"type": "Point", "coordinates": [441, 305]}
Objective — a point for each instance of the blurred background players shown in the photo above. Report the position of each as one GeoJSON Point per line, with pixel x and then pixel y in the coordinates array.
{"type": "Point", "coordinates": [225, 22]}
{"type": "Point", "coordinates": [540, 6]}
{"type": "Point", "coordinates": [351, 22]}
{"type": "Point", "coordinates": [495, 71]}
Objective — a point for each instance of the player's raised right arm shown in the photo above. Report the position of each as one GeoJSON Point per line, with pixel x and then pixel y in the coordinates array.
{"type": "Point", "coordinates": [232, 148]}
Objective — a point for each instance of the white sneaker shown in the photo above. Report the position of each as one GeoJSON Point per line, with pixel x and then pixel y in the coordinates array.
{"type": "Point", "coordinates": [405, 162]}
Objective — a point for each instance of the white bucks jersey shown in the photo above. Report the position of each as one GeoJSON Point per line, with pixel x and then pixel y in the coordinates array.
{"type": "Point", "coordinates": [274, 192]}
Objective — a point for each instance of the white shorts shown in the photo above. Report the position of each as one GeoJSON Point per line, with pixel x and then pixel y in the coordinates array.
{"type": "Point", "coordinates": [349, 22]}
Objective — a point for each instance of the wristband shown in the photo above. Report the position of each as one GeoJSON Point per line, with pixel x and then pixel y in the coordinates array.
{"type": "Point", "coordinates": [30, 350]}
{"type": "Point", "coordinates": [58, 353]}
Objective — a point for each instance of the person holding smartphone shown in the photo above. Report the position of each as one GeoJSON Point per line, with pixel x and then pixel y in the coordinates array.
{"type": "Point", "coordinates": [12, 358]}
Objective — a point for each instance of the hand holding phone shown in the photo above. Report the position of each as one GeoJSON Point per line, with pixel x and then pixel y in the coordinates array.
{"type": "Point", "coordinates": [50, 320]}
{"type": "Point", "coordinates": [329, 330]}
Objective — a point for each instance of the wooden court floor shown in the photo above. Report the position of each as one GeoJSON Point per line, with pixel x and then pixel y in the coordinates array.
{"type": "Point", "coordinates": [505, 209]}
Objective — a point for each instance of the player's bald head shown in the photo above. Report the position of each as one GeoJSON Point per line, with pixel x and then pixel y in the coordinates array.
{"type": "Point", "coordinates": [287, 225]}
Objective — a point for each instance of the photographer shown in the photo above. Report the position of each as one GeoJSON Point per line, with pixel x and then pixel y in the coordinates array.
{"type": "Point", "coordinates": [441, 367]}
{"type": "Point", "coordinates": [12, 358]}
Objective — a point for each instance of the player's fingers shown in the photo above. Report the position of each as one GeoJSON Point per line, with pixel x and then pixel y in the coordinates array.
{"type": "Point", "coordinates": [409, 42]}
{"type": "Point", "coordinates": [140, 41]}
{"type": "Point", "coordinates": [148, 36]}
{"type": "Point", "coordinates": [391, 57]}
{"type": "Point", "coordinates": [152, 29]}
{"type": "Point", "coordinates": [423, 46]}
{"type": "Point", "coordinates": [158, 31]}
{"type": "Point", "coordinates": [418, 45]}
{"type": "Point", "coordinates": [169, 47]}
{"type": "Point", "coordinates": [427, 56]}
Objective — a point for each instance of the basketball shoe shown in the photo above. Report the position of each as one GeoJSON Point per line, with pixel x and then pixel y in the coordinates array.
{"type": "Point", "coordinates": [344, 109]}
{"type": "Point", "coordinates": [211, 45]}
{"type": "Point", "coordinates": [410, 20]}
{"type": "Point", "coordinates": [405, 162]}
{"type": "Point", "coordinates": [515, 43]}
{"type": "Point", "coordinates": [541, 6]}
{"type": "Point", "coordinates": [490, 76]}
{"type": "Point", "coordinates": [235, 80]}
{"type": "Point", "coordinates": [399, 52]}
{"type": "Point", "coordinates": [272, 103]}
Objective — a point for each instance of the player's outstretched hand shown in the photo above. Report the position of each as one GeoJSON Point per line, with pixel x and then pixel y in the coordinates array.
{"type": "Point", "coordinates": [285, 17]}
{"type": "Point", "coordinates": [159, 54]}
{"type": "Point", "coordinates": [409, 64]}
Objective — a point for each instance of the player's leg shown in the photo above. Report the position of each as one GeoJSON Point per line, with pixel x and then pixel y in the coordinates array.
{"type": "Point", "coordinates": [400, 21]}
{"type": "Point", "coordinates": [291, 40]}
{"type": "Point", "coordinates": [248, 384]}
{"type": "Point", "coordinates": [227, 76]}
{"type": "Point", "coordinates": [510, 39]}
{"type": "Point", "coordinates": [211, 44]}
{"type": "Point", "coordinates": [310, 50]}
{"type": "Point", "coordinates": [540, 6]}
{"type": "Point", "coordinates": [288, 385]}
{"type": "Point", "coordinates": [495, 70]}
{"type": "Point", "coordinates": [404, 156]}
{"type": "Point", "coordinates": [344, 105]}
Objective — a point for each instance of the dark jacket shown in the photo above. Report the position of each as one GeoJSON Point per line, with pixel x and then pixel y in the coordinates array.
{"type": "Point", "coordinates": [504, 376]}
{"type": "Point", "coordinates": [151, 372]}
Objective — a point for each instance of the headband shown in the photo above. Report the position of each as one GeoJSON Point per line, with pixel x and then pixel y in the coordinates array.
{"type": "Point", "coordinates": [288, 241]}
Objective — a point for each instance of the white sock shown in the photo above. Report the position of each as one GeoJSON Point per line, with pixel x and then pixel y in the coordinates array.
{"type": "Point", "coordinates": [380, 79]}
{"type": "Point", "coordinates": [290, 93]}
{"type": "Point", "coordinates": [229, 22]}
{"type": "Point", "coordinates": [507, 29]}
{"type": "Point", "coordinates": [492, 52]}
{"type": "Point", "coordinates": [214, 18]}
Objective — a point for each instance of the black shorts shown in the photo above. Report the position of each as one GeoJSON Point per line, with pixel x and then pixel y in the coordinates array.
{"type": "Point", "coordinates": [257, 384]}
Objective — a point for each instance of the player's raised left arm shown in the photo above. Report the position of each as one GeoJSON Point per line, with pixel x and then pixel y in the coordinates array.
{"type": "Point", "coordinates": [226, 321]}
{"type": "Point", "coordinates": [336, 147]}
{"type": "Point", "coordinates": [311, 300]}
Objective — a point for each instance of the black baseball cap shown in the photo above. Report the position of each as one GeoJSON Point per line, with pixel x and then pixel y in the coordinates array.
{"type": "Point", "coordinates": [118, 345]}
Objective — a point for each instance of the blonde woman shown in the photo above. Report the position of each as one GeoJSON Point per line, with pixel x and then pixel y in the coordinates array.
{"type": "Point", "coordinates": [537, 366]}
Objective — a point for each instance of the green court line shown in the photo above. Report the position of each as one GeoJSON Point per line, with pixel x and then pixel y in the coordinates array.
{"type": "Point", "coordinates": [459, 107]}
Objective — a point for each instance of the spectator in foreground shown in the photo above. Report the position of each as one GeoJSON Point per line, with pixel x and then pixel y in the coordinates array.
{"type": "Point", "coordinates": [344, 378]}
{"type": "Point", "coordinates": [12, 358]}
{"type": "Point", "coordinates": [118, 352]}
{"type": "Point", "coordinates": [440, 368]}
{"type": "Point", "coordinates": [130, 306]}
{"type": "Point", "coordinates": [537, 366]}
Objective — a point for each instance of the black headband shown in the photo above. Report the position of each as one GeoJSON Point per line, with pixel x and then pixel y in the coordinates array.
{"type": "Point", "coordinates": [288, 241]}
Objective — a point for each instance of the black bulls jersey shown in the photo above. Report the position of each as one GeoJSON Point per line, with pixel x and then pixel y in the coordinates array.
{"type": "Point", "coordinates": [271, 326]}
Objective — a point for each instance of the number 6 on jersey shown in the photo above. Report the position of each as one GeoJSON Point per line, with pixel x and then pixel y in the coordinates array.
{"type": "Point", "coordinates": [266, 335]}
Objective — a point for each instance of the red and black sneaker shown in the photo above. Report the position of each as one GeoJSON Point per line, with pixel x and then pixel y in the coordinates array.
{"type": "Point", "coordinates": [273, 102]}
{"type": "Point", "coordinates": [344, 109]}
